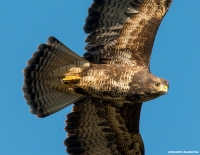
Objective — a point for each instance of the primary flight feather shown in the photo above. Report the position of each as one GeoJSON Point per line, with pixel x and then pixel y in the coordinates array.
{"type": "Point", "coordinates": [108, 84]}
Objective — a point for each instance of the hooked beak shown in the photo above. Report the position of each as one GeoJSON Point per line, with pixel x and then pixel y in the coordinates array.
{"type": "Point", "coordinates": [165, 89]}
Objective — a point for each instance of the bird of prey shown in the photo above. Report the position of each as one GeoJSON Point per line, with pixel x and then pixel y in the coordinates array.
{"type": "Point", "coordinates": [108, 84]}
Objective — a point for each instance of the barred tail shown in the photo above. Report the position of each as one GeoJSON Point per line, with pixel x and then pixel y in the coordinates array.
{"type": "Point", "coordinates": [43, 89]}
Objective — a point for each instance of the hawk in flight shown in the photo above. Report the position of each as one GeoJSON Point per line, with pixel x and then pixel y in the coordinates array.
{"type": "Point", "coordinates": [108, 84]}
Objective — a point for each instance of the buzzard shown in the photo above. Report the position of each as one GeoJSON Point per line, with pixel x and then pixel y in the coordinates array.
{"type": "Point", "coordinates": [108, 84]}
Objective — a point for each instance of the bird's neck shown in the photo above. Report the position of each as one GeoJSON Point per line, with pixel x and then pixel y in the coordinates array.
{"type": "Point", "coordinates": [102, 126]}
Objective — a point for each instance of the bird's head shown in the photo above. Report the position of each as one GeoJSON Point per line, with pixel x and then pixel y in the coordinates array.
{"type": "Point", "coordinates": [145, 86]}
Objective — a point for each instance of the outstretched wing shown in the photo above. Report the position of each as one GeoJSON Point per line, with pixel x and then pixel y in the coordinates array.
{"type": "Point", "coordinates": [123, 31]}
{"type": "Point", "coordinates": [97, 127]}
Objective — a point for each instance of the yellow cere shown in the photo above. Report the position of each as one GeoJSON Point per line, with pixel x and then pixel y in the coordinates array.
{"type": "Point", "coordinates": [165, 87]}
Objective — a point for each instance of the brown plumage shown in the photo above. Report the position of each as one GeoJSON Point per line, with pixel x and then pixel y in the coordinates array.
{"type": "Point", "coordinates": [108, 85]}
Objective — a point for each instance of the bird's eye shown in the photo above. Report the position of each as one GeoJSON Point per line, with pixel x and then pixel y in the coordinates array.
{"type": "Point", "coordinates": [157, 84]}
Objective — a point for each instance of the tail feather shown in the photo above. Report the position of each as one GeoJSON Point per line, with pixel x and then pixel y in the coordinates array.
{"type": "Point", "coordinates": [43, 89]}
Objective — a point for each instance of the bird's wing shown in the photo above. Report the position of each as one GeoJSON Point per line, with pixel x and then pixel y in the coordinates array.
{"type": "Point", "coordinates": [123, 31]}
{"type": "Point", "coordinates": [100, 127]}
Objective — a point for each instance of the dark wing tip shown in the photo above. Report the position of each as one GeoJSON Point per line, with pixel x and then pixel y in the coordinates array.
{"type": "Point", "coordinates": [75, 150]}
{"type": "Point", "coordinates": [27, 73]}
{"type": "Point", "coordinates": [90, 25]}
{"type": "Point", "coordinates": [91, 22]}
{"type": "Point", "coordinates": [73, 145]}
{"type": "Point", "coordinates": [71, 139]}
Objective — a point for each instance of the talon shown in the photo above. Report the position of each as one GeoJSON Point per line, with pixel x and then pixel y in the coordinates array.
{"type": "Point", "coordinates": [70, 79]}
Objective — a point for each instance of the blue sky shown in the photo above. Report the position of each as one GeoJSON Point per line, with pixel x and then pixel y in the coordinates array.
{"type": "Point", "coordinates": [171, 122]}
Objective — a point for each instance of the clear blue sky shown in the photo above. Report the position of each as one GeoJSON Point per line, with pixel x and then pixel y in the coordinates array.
{"type": "Point", "coordinates": [171, 122]}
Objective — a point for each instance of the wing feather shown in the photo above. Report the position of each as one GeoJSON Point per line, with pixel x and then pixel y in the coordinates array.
{"type": "Point", "coordinates": [120, 26]}
{"type": "Point", "coordinates": [101, 127]}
